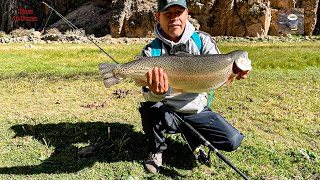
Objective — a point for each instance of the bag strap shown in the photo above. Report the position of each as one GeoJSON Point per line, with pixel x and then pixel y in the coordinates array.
{"type": "Point", "coordinates": [156, 47]}
{"type": "Point", "coordinates": [196, 38]}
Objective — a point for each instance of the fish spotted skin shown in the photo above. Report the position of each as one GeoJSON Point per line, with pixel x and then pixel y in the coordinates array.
{"type": "Point", "coordinates": [191, 73]}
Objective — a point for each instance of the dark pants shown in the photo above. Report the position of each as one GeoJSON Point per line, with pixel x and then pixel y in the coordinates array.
{"type": "Point", "coordinates": [157, 120]}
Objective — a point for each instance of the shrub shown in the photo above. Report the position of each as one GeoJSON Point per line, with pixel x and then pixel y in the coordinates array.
{"type": "Point", "coordinates": [53, 31]}
{"type": "Point", "coordinates": [3, 34]}
{"type": "Point", "coordinates": [21, 32]}
{"type": "Point", "coordinates": [79, 32]}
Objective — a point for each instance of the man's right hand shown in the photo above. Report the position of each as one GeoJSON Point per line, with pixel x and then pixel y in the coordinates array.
{"type": "Point", "coordinates": [157, 81]}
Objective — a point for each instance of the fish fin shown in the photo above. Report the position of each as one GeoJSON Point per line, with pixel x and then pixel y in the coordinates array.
{"type": "Point", "coordinates": [106, 71]}
{"type": "Point", "coordinates": [183, 54]}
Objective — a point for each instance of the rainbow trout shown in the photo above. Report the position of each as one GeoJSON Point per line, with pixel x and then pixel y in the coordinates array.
{"type": "Point", "coordinates": [186, 72]}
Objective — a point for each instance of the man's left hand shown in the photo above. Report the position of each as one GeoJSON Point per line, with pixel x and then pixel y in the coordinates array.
{"type": "Point", "coordinates": [241, 74]}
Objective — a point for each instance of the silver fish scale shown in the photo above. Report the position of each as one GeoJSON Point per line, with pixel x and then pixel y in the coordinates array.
{"type": "Point", "coordinates": [190, 65]}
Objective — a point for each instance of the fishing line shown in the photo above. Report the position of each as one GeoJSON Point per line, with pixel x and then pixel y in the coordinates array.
{"type": "Point", "coordinates": [76, 28]}
{"type": "Point", "coordinates": [47, 21]}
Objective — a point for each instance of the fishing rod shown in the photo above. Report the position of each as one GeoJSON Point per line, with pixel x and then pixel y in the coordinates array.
{"type": "Point", "coordinates": [205, 142]}
{"type": "Point", "coordinates": [76, 28]}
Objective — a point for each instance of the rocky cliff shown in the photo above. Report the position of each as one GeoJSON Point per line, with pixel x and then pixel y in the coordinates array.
{"type": "Point", "coordinates": [135, 18]}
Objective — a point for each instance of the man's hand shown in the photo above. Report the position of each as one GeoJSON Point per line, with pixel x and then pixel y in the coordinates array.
{"type": "Point", "coordinates": [157, 81]}
{"type": "Point", "coordinates": [241, 74]}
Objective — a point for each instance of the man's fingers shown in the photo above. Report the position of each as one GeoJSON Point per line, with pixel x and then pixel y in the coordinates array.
{"type": "Point", "coordinates": [149, 78]}
{"type": "Point", "coordinates": [160, 84]}
{"type": "Point", "coordinates": [165, 82]}
{"type": "Point", "coordinates": [243, 75]}
{"type": "Point", "coordinates": [155, 78]}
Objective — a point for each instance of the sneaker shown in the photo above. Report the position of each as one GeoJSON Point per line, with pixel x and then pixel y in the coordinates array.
{"type": "Point", "coordinates": [153, 163]}
{"type": "Point", "coordinates": [201, 156]}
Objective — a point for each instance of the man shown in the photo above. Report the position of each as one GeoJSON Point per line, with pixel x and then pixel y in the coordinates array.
{"type": "Point", "coordinates": [175, 33]}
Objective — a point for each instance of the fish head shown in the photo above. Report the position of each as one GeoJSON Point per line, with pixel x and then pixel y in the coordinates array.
{"type": "Point", "coordinates": [242, 60]}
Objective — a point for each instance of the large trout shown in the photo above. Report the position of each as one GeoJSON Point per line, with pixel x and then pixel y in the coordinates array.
{"type": "Point", "coordinates": [186, 73]}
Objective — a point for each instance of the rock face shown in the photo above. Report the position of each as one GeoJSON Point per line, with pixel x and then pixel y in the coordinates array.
{"type": "Point", "coordinates": [132, 18]}
{"type": "Point", "coordinates": [135, 18]}
{"type": "Point", "coordinates": [91, 17]}
{"type": "Point", "coordinates": [317, 29]}
{"type": "Point", "coordinates": [310, 14]}
{"type": "Point", "coordinates": [118, 18]}
{"type": "Point", "coordinates": [10, 9]}
{"type": "Point", "coordinates": [7, 9]}
{"type": "Point", "coordinates": [233, 18]}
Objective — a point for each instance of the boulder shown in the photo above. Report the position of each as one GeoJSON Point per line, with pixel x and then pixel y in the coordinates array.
{"type": "Point", "coordinates": [91, 16]}
{"type": "Point", "coordinates": [233, 18]}
{"type": "Point", "coordinates": [310, 15]}
{"type": "Point", "coordinates": [132, 18]}
{"type": "Point", "coordinates": [317, 28]}
{"type": "Point", "coordinates": [274, 24]}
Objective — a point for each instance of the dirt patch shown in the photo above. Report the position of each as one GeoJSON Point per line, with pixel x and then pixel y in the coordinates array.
{"type": "Point", "coordinates": [119, 93]}
{"type": "Point", "coordinates": [94, 105]}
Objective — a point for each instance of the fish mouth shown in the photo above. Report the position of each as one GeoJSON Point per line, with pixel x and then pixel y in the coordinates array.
{"type": "Point", "coordinates": [244, 64]}
{"type": "Point", "coordinates": [241, 60]}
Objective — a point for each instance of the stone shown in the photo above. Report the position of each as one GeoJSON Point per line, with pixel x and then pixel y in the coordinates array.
{"type": "Point", "coordinates": [36, 35]}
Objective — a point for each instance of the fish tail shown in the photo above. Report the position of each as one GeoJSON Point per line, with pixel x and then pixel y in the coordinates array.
{"type": "Point", "coordinates": [108, 77]}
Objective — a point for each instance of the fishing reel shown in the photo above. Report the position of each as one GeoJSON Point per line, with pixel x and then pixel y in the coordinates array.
{"type": "Point", "coordinates": [202, 157]}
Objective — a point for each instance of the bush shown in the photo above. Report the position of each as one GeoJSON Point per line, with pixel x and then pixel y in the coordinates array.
{"type": "Point", "coordinates": [3, 34]}
{"type": "Point", "coordinates": [21, 32]}
{"type": "Point", "coordinates": [78, 32]}
{"type": "Point", "coordinates": [53, 31]}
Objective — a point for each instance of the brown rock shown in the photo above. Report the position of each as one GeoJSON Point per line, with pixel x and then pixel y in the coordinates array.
{"type": "Point", "coordinates": [89, 16]}
{"type": "Point", "coordinates": [133, 18]}
{"type": "Point", "coordinates": [310, 15]}
{"type": "Point", "coordinates": [233, 18]}
{"type": "Point", "coordinates": [278, 4]}
{"type": "Point", "coordinates": [317, 28]}
{"type": "Point", "coordinates": [274, 25]}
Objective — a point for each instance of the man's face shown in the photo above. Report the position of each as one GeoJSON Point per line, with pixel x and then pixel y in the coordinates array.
{"type": "Point", "coordinates": [173, 21]}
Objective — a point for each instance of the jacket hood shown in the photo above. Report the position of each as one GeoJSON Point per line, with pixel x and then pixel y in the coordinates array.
{"type": "Point", "coordinates": [186, 35]}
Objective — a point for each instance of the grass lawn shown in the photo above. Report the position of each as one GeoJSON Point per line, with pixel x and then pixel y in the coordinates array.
{"type": "Point", "coordinates": [53, 102]}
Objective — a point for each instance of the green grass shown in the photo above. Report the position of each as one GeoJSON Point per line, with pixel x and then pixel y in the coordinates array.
{"type": "Point", "coordinates": [52, 102]}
